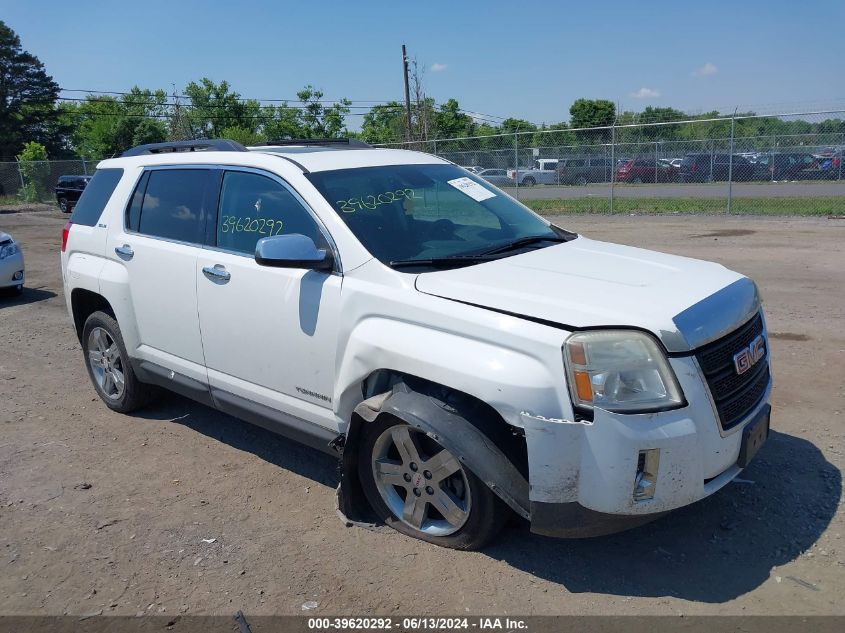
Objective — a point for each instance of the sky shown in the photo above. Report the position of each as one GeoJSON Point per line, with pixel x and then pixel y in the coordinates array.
{"type": "Point", "coordinates": [525, 59]}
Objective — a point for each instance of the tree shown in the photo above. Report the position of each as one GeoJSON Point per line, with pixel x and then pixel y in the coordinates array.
{"type": "Point", "coordinates": [34, 170]}
{"type": "Point", "coordinates": [105, 126]}
{"type": "Point", "coordinates": [319, 121]}
{"type": "Point", "coordinates": [27, 98]}
{"type": "Point", "coordinates": [384, 123]}
{"type": "Point", "coordinates": [591, 113]}
{"type": "Point", "coordinates": [451, 122]}
{"type": "Point", "coordinates": [216, 107]}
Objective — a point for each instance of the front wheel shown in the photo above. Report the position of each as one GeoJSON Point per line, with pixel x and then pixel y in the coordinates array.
{"type": "Point", "coordinates": [528, 182]}
{"type": "Point", "coordinates": [63, 205]}
{"type": "Point", "coordinates": [108, 365]}
{"type": "Point", "coordinates": [420, 489]}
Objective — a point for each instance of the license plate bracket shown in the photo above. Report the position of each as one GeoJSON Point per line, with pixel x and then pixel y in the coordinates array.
{"type": "Point", "coordinates": [754, 435]}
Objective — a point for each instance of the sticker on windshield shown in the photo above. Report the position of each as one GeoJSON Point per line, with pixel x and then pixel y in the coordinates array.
{"type": "Point", "coordinates": [471, 188]}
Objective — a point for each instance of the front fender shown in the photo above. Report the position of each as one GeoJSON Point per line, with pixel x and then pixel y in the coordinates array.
{"type": "Point", "coordinates": [507, 379]}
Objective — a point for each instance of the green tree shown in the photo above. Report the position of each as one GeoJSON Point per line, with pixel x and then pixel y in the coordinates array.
{"type": "Point", "coordinates": [585, 113]}
{"type": "Point", "coordinates": [451, 122]}
{"type": "Point", "coordinates": [27, 98]}
{"type": "Point", "coordinates": [215, 107]}
{"type": "Point", "coordinates": [384, 123]}
{"type": "Point", "coordinates": [105, 126]}
{"type": "Point", "coordinates": [35, 171]}
{"type": "Point", "coordinates": [319, 121]}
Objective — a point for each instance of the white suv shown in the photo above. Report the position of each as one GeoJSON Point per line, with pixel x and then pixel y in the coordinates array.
{"type": "Point", "coordinates": [463, 357]}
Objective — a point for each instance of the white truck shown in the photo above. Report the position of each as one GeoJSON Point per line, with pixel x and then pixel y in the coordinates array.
{"type": "Point", "coordinates": [542, 172]}
{"type": "Point", "coordinates": [462, 357]}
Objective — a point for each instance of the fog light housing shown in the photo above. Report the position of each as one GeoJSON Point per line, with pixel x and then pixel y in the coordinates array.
{"type": "Point", "coordinates": [18, 275]}
{"type": "Point", "coordinates": [645, 481]}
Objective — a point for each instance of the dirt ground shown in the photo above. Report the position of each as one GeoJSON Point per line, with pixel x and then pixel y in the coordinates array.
{"type": "Point", "coordinates": [181, 509]}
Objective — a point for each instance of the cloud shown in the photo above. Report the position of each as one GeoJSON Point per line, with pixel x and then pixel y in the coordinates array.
{"type": "Point", "coordinates": [704, 71]}
{"type": "Point", "coordinates": [645, 93]}
{"type": "Point", "coordinates": [436, 68]}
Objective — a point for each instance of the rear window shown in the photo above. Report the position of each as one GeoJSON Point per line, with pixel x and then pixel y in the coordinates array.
{"type": "Point", "coordinates": [172, 205]}
{"type": "Point", "coordinates": [95, 196]}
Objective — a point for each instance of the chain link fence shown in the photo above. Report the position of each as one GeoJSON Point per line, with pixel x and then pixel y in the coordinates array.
{"type": "Point", "coordinates": [14, 176]}
{"type": "Point", "coordinates": [785, 164]}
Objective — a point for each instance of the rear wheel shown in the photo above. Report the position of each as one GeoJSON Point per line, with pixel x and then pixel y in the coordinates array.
{"type": "Point", "coordinates": [63, 205]}
{"type": "Point", "coordinates": [108, 365]}
{"type": "Point", "coordinates": [637, 180]}
{"type": "Point", "coordinates": [581, 181]}
{"type": "Point", "coordinates": [529, 182]}
{"type": "Point", "coordinates": [420, 489]}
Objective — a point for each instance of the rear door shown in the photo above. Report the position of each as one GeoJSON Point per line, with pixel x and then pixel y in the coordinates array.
{"type": "Point", "coordinates": [158, 246]}
{"type": "Point", "coordinates": [269, 334]}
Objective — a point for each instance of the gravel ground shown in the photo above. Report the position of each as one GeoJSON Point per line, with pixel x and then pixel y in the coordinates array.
{"type": "Point", "coordinates": [181, 509]}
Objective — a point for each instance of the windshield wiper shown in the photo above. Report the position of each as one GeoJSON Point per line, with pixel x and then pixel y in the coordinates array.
{"type": "Point", "coordinates": [525, 241]}
{"type": "Point", "coordinates": [440, 262]}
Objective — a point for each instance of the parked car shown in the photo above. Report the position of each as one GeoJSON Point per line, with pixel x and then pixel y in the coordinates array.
{"type": "Point", "coordinates": [704, 167]}
{"type": "Point", "coordinates": [463, 358]}
{"type": "Point", "coordinates": [584, 170]}
{"type": "Point", "coordinates": [12, 270]}
{"type": "Point", "coordinates": [637, 170]}
{"type": "Point", "coordinates": [543, 172]}
{"type": "Point", "coordinates": [787, 166]}
{"type": "Point", "coordinates": [498, 177]}
{"type": "Point", "coordinates": [68, 189]}
{"type": "Point", "coordinates": [830, 164]}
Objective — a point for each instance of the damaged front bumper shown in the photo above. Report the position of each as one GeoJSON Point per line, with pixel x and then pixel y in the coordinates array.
{"type": "Point", "coordinates": [619, 470]}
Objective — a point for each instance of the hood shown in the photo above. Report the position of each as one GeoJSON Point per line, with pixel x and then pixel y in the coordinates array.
{"type": "Point", "coordinates": [584, 283]}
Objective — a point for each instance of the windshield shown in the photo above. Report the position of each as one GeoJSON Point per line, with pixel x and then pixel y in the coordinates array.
{"type": "Point", "coordinates": [414, 212]}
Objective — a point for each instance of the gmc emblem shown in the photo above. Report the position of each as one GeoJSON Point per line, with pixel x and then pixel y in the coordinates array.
{"type": "Point", "coordinates": [749, 356]}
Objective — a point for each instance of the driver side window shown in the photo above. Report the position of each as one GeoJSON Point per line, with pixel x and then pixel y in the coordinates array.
{"type": "Point", "coordinates": [253, 206]}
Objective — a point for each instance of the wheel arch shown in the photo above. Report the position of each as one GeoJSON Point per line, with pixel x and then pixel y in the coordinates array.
{"type": "Point", "coordinates": [469, 428]}
{"type": "Point", "coordinates": [83, 304]}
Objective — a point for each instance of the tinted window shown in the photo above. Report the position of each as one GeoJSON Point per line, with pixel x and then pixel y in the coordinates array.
{"type": "Point", "coordinates": [254, 206]}
{"type": "Point", "coordinates": [172, 205]}
{"type": "Point", "coordinates": [95, 197]}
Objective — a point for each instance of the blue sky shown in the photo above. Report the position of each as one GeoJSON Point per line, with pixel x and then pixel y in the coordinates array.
{"type": "Point", "coordinates": [525, 59]}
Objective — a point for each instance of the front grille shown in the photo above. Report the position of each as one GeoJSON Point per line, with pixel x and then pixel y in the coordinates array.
{"type": "Point", "coordinates": [735, 395]}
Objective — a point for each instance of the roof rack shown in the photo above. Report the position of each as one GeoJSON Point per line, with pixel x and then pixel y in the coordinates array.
{"type": "Point", "coordinates": [350, 142]}
{"type": "Point", "coordinates": [212, 144]}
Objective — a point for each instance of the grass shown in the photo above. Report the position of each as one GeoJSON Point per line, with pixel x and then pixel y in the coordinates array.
{"type": "Point", "coordinates": [816, 207]}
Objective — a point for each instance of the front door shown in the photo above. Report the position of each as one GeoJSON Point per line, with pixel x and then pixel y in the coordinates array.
{"type": "Point", "coordinates": [269, 334]}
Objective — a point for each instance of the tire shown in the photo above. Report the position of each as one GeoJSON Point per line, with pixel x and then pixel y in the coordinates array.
{"type": "Point", "coordinates": [63, 205]}
{"type": "Point", "coordinates": [17, 290]}
{"type": "Point", "coordinates": [528, 182]}
{"type": "Point", "coordinates": [476, 514]}
{"type": "Point", "coordinates": [637, 181]}
{"type": "Point", "coordinates": [108, 363]}
{"type": "Point", "coordinates": [581, 181]}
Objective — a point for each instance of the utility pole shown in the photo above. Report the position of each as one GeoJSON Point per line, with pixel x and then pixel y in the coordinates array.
{"type": "Point", "coordinates": [407, 95]}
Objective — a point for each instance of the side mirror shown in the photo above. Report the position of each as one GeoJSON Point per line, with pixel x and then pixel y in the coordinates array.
{"type": "Point", "coordinates": [292, 251]}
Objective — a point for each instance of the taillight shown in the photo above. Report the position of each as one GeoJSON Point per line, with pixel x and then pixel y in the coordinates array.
{"type": "Point", "coordinates": [65, 234]}
{"type": "Point", "coordinates": [694, 167]}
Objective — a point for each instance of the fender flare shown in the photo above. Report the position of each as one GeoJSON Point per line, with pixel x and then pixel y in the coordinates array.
{"type": "Point", "coordinates": [452, 427]}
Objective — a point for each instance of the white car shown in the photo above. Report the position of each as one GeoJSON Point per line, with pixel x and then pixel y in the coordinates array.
{"type": "Point", "coordinates": [12, 269]}
{"type": "Point", "coordinates": [464, 358]}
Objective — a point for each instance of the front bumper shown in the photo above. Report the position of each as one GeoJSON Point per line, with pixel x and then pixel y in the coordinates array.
{"type": "Point", "coordinates": [582, 474]}
{"type": "Point", "coordinates": [8, 267]}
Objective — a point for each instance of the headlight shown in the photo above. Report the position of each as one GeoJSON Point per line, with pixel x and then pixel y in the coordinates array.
{"type": "Point", "coordinates": [619, 370]}
{"type": "Point", "coordinates": [8, 250]}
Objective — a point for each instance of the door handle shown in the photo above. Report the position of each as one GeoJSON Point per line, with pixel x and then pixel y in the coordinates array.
{"type": "Point", "coordinates": [125, 251]}
{"type": "Point", "coordinates": [217, 272]}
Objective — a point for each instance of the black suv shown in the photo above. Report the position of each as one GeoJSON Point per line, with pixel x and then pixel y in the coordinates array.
{"type": "Point", "coordinates": [68, 190]}
{"type": "Point", "coordinates": [710, 167]}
